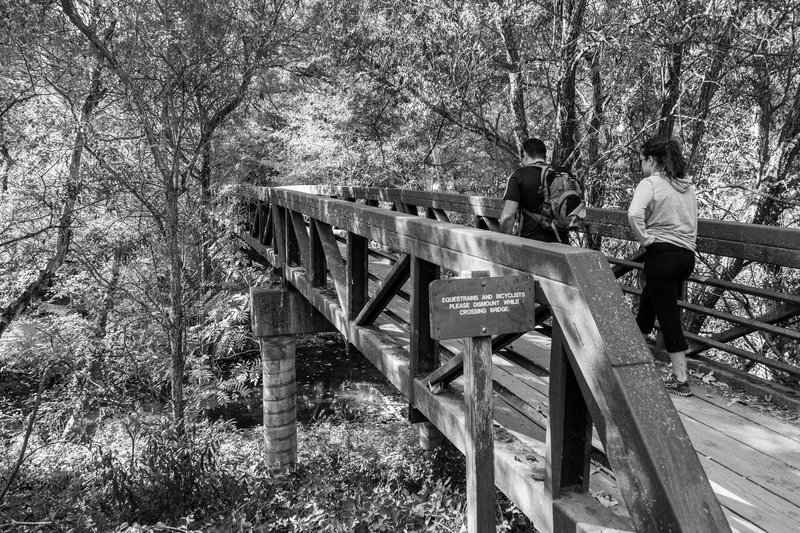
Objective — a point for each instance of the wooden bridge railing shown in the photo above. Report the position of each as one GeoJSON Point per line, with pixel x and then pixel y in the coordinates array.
{"type": "Point", "coordinates": [759, 332]}
{"type": "Point", "coordinates": [601, 369]}
{"type": "Point", "coordinates": [727, 251]}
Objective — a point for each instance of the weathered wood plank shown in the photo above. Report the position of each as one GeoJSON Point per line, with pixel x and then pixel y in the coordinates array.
{"type": "Point", "coordinates": [293, 253]}
{"type": "Point", "coordinates": [713, 229]}
{"type": "Point", "coordinates": [301, 238]}
{"type": "Point", "coordinates": [480, 436]}
{"type": "Point", "coordinates": [391, 284]}
{"type": "Point", "coordinates": [570, 433]}
{"type": "Point", "coordinates": [316, 268]}
{"type": "Point", "coordinates": [357, 267]}
{"type": "Point", "coordinates": [772, 363]}
{"type": "Point", "coordinates": [750, 501]}
{"type": "Point", "coordinates": [424, 350]}
{"type": "Point", "coordinates": [749, 241]}
{"type": "Point", "coordinates": [278, 216]}
{"type": "Point", "coordinates": [768, 442]}
{"type": "Point", "coordinates": [449, 201]}
{"type": "Point", "coordinates": [774, 476]}
{"type": "Point", "coordinates": [781, 313]}
{"type": "Point", "coordinates": [459, 247]}
{"type": "Point", "coordinates": [750, 416]}
{"type": "Point", "coordinates": [449, 371]}
{"type": "Point", "coordinates": [333, 258]}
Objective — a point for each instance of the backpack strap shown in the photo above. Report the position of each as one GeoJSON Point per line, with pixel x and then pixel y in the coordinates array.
{"type": "Point", "coordinates": [544, 189]}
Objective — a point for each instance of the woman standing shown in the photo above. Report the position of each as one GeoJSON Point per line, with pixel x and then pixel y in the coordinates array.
{"type": "Point", "coordinates": [663, 216]}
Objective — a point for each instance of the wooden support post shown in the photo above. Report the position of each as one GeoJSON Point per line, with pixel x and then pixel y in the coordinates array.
{"type": "Point", "coordinates": [293, 255]}
{"type": "Point", "coordinates": [430, 437]}
{"type": "Point", "coordinates": [569, 439]}
{"type": "Point", "coordinates": [277, 315]}
{"type": "Point", "coordinates": [423, 350]}
{"type": "Point", "coordinates": [357, 263]}
{"type": "Point", "coordinates": [481, 492]}
{"type": "Point", "coordinates": [316, 272]}
{"type": "Point", "coordinates": [357, 274]}
{"type": "Point", "coordinates": [279, 239]}
{"type": "Point", "coordinates": [251, 222]}
{"type": "Point", "coordinates": [265, 236]}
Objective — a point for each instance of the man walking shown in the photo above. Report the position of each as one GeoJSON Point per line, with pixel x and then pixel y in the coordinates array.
{"type": "Point", "coordinates": [524, 191]}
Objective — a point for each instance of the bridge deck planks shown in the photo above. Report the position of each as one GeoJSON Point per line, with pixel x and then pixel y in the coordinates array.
{"type": "Point", "coordinates": [752, 460]}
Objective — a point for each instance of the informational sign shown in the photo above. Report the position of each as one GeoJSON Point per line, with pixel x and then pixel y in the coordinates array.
{"type": "Point", "coordinates": [472, 307]}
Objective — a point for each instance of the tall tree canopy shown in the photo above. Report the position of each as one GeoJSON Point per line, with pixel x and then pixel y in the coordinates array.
{"type": "Point", "coordinates": [120, 122]}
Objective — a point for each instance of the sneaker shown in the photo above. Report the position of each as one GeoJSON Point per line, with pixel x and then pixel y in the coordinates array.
{"type": "Point", "coordinates": [678, 388]}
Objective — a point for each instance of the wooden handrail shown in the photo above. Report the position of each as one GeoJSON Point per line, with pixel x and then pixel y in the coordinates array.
{"type": "Point", "coordinates": [754, 243]}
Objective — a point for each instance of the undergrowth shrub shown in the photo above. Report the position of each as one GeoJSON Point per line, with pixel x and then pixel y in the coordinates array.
{"type": "Point", "coordinates": [176, 473]}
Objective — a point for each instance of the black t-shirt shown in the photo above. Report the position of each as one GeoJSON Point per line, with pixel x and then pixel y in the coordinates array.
{"type": "Point", "coordinates": [523, 187]}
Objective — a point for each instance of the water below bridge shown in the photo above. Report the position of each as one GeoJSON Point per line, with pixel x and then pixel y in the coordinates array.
{"type": "Point", "coordinates": [330, 381]}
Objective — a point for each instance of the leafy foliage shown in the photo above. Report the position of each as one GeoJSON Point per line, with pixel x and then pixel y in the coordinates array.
{"type": "Point", "coordinates": [116, 160]}
{"type": "Point", "coordinates": [353, 475]}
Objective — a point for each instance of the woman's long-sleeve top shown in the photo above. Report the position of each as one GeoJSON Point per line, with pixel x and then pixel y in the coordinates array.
{"type": "Point", "coordinates": [664, 210]}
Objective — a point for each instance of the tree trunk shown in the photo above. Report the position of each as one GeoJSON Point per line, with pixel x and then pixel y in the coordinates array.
{"type": "Point", "coordinates": [708, 88]}
{"type": "Point", "coordinates": [45, 278]}
{"type": "Point", "coordinates": [672, 88]}
{"type": "Point", "coordinates": [5, 165]}
{"type": "Point", "coordinates": [516, 98]}
{"type": "Point", "coordinates": [595, 181]}
{"type": "Point", "coordinates": [177, 322]}
{"type": "Point", "coordinates": [109, 298]}
{"type": "Point", "coordinates": [565, 152]}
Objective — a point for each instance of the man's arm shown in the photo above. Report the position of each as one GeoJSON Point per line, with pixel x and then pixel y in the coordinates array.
{"type": "Point", "coordinates": [507, 217]}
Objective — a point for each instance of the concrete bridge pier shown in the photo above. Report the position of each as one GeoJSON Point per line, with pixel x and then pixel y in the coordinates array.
{"type": "Point", "coordinates": [277, 315]}
{"type": "Point", "coordinates": [279, 407]}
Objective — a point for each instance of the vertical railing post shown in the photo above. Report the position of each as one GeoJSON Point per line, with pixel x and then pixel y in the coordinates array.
{"type": "Point", "coordinates": [570, 434]}
{"type": "Point", "coordinates": [316, 264]}
{"type": "Point", "coordinates": [251, 214]}
{"type": "Point", "coordinates": [423, 350]}
{"type": "Point", "coordinates": [481, 492]}
{"type": "Point", "coordinates": [279, 239]}
{"type": "Point", "coordinates": [292, 248]}
{"type": "Point", "coordinates": [357, 274]}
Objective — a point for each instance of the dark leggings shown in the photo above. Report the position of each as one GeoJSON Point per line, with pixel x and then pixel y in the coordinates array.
{"type": "Point", "coordinates": [666, 268]}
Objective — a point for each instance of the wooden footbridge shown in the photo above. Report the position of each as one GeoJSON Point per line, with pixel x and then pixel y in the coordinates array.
{"type": "Point", "coordinates": [571, 420]}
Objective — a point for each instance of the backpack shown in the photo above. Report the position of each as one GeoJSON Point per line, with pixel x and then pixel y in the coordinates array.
{"type": "Point", "coordinates": [563, 208]}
